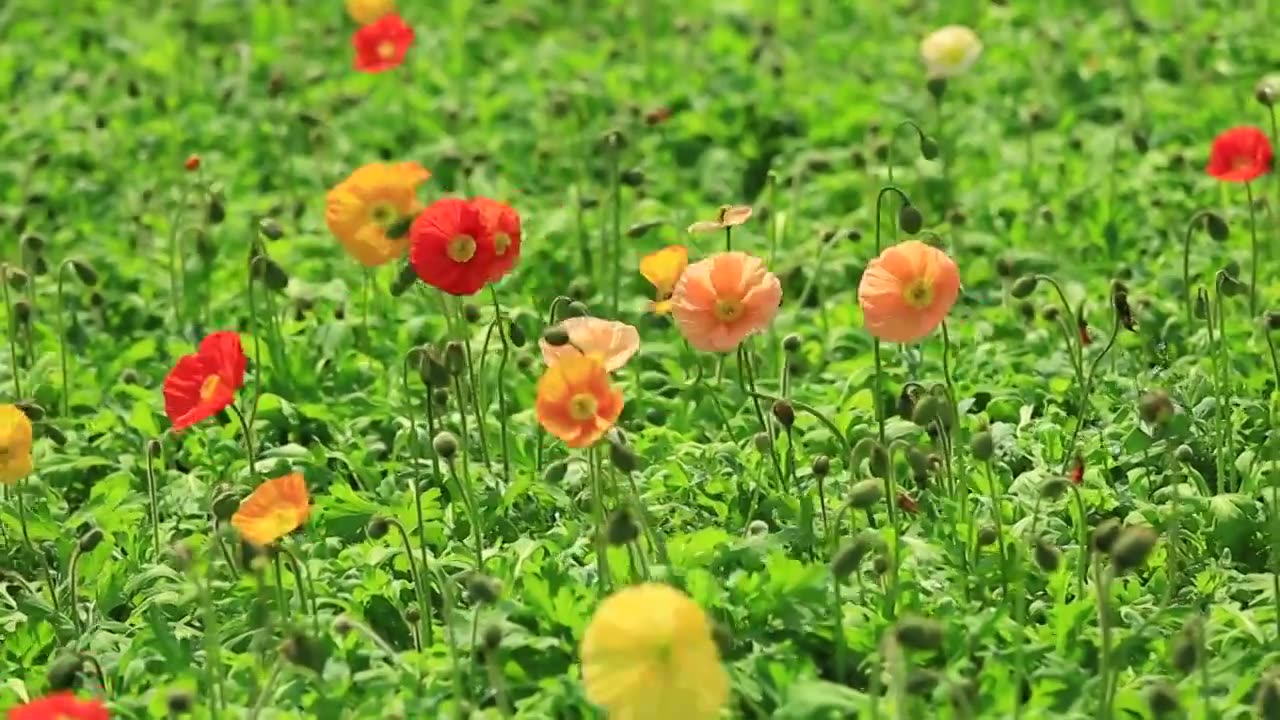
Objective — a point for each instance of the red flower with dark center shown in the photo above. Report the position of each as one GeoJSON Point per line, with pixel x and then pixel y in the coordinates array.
{"type": "Point", "coordinates": [1240, 154]}
{"type": "Point", "coordinates": [452, 248]}
{"type": "Point", "coordinates": [60, 706]}
{"type": "Point", "coordinates": [1077, 471]}
{"type": "Point", "coordinates": [504, 222]}
{"type": "Point", "coordinates": [381, 45]}
{"type": "Point", "coordinates": [200, 385]}
{"type": "Point", "coordinates": [907, 504]}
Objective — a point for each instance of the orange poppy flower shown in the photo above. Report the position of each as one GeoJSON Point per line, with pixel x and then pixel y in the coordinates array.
{"type": "Point", "coordinates": [614, 342]}
{"type": "Point", "coordinates": [360, 210]}
{"type": "Point", "coordinates": [908, 291]}
{"type": "Point", "coordinates": [727, 216]}
{"type": "Point", "coordinates": [663, 269]}
{"type": "Point", "coordinates": [723, 299]}
{"type": "Point", "coordinates": [275, 509]}
{"type": "Point", "coordinates": [575, 401]}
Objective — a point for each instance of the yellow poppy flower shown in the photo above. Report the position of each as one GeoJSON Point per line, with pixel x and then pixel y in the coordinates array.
{"type": "Point", "coordinates": [950, 51]}
{"type": "Point", "coordinates": [663, 269]}
{"type": "Point", "coordinates": [275, 509]}
{"type": "Point", "coordinates": [362, 208]}
{"type": "Point", "coordinates": [366, 11]}
{"type": "Point", "coordinates": [648, 654]}
{"type": "Point", "coordinates": [15, 445]}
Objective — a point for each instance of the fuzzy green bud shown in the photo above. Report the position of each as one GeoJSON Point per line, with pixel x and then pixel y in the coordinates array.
{"type": "Point", "coordinates": [90, 540]}
{"type": "Point", "coordinates": [555, 472]}
{"type": "Point", "coordinates": [377, 528]}
{"type": "Point", "coordinates": [622, 527]}
{"type": "Point", "coordinates": [866, 493]}
{"type": "Point", "coordinates": [982, 445]}
{"type": "Point", "coordinates": [1217, 227]}
{"type": "Point", "coordinates": [987, 535]}
{"type": "Point", "coordinates": [927, 409]}
{"type": "Point", "coordinates": [1132, 547]}
{"type": "Point", "coordinates": [555, 336]}
{"type": "Point", "coordinates": [910, 219]}
{"type": "Point", "coordinates": [445, 444]}
{"type": "Point", "coordinates": [1024, 286]}
{"type": "Point", "coordinates": [1162, 699]}
{"type": "Point", "coordinates": [1047, 555]}
{"type": "Point", "coordinates": [1105, 534]}
{"type": "Point", "coordinates": [821, 466]}
{"type": "Point", "coordinates": [784, 413]}
{"type": "Point", "coordinates": [918, 633]}
{"type": "Point", "coordinates": [64, 672]}
{"type": "Point", "coordinates": [483, 589]}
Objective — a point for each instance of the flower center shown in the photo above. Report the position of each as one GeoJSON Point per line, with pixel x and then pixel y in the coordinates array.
{"type": "Point", "coordinates": [919, 294]}
{"type": "Point", "coordinates": [461, 248]}
{"type": "Point", "coordinates": [501, 242]}
{"type": "Point", "coordinates": [582, 407]}
{"type": "Point", "coordinates": [209, 387]}
{"type": "Point", "coordinates": [383, 214]}
{"type": "Point", "coordinates": [954, 54]}
{"type": "Point", "coordinates": [386, 49]}
{"type": "Point", "coordinates": [728, 310]}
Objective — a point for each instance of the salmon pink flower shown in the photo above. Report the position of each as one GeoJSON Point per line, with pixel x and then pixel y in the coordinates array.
{"type": "Point", "coordinates": [60, 706]}
{"type": "Point", "coordinates": [726, 217]}
{"type": "Point", "coordinates": [274, 509]}
{"type": "Point", "coordinates": [575, 401]}
{"type": "Point", "coordinates": [613, 342]}
{"type": "Point", "coordinates": [504, 222]}
{"type": "Point", "coordinates": [907, 291]}
{"type": "Point", "coordinates": [364, 210]}
{"type": "Point", "coordinates": [723, 299]}
{"type": "Point", "coordinates": [381, 45]}
{"type": "Point", "coordinates": [453, 248]}
{"type": "Point", "coordinates": [663, 269]}
{"type": "Point", "coordinates": [205, 382]}
{"type": "Point", "coordinates": [1240, 154]}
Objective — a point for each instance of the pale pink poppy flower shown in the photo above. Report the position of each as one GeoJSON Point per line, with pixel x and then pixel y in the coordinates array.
{"type": "Point", "coordinates": [908, 291]}
{"type": "Point", "coordinates": [723, 299]}
{"type": "Point", "coordinates": [614, 342]}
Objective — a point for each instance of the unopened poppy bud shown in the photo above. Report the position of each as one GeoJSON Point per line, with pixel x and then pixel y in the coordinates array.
{"type": "Point", "coordinates": [1273, 320]}
{"type": "Point", "coordinates": [1140, 142]}
{"type": "Point", "coordinates": [880, 564]}
{"type": "Point", "coordinates": [445, 444]}
{"type": "Point", "coordinates": [640, 229]}
{"type": "Point", "coordinates": [179, 702]}
{"type": "Point", "coordinates": [482, 589]}
{"type": "Point", "coordinates": [757, 528]}
{"type": "Point", "coordinates": [1054, 487]}
{"type": "Point", "coordinates": [937, 87]}
{"type": "Point", "coordinates": [271, 274]}
{"type": "Point", "coordinates": [921, 682]}
{"type": "Point", "coordinates": [1132, 547]}
{"type": "Point", "coordinates": [821, 466]}
{"type": "Point", "coordinates": [343, 625]}
{"type": "Point", "coordinates": [17, 277]}
{"type": "Point", "coordinates": [866, 493]}
{"type": "Point", "coordinates": [918, 633]}
{"type": "Point", "coordinates": [987, 535]}
{"type": "Point", "coordinates": [1051, 313]}
{"type": "Point", "coordinates": [926, 410]}
{"type": "Point", "coordinates": [85, 272]}
{"type": "Point", "coordinates": [1184, 453]}
{"type": "Point", "coordinates": [577, 309]}
{"type": "Point", "coordinates": [928, 147]}
{"type": "Point", "coordinates": [1105, 534]}
{"type": "Point", "coordinates": [1229, 286]}
{"type": "Point", "coordinates": [455, 357]}
{"type": "Point", "coordinates": [847, 559]}
{"type": "Point", "coordinates": [299, 649]}
{"type": "Point", "coordinates": [1162, 699]}
{"type": "Point", "coordinates": [270, 229]}
{"type": "Point", "coordinates": [22, 312]}
{"type": "Point", "coordinates": [192, 163]}
{"type": "Point", "coordinates": [1024, 286]}
{"type": "Point", "coordinates": [910, 219]}
{"type": "Point", "coordinates": [32, 244]}
{"type": "Point", "coordinates": [412, 615]}
{"type": "Point", "coordinates": [1047, 556]}
{"type": "Point", "coordinates": [491, 638]}
{"type": "Point", "coordinates": [33, 411]}
{"type": "Point", "coordinates": [791, 343]}
{"type": "Point", "coordinates": [982, 445]}
{"type": "Point", "coordinates": [377, 527]}
{"type": "Point", "coordinates": [90, 540]}
{"type": "Point", "coordinates": [862, 450]}
{"type": "Point", "coordinates": [404, 280]}
{"type": "Point", "coordinates": [515, 334]}
{"type": "Point", "coordinates": [1266, 91]}
{"type": "Point", "coordinates": [632, 177]}
{"type": "Point", "coordinates": [225, 505]}
{"type": "Point", "coordinates": [64, 672]}
{"type": "Point", "coordinates": [1155, 407]}
{"type": "Point", "coordinates": [762, 441]}
{"type": "Point", "coordinates": [1202, 305]}
{"type": "Point", "coordinates": [556, 336]}
{"type": "Point", "coordinates": [1267, 703]}
{"type": "Point", "coordinates": [906, 407]}
{"type": "Point", "coordinates": [622, 527]}
{"type": "Point", "coordinates": [1184, 648]}
{"type": "Point", "coordinates": [217, 210]}
{"type": "Point", "coordinates": [555, 472]}
{"type": "Point", "coordinates": [1217, 227]}
{"type": "Point", "coordinates": [919, 462]}
{"type": "Point", "coordinates": [784, 413]}
{"type": "Point", "coordinates": [1006, 267]}
{"type": "Point", "coordinates": [471, 313]}
{"type": "Point", "coordinates": [879, 461]}
{"type": "Point", "coordinates": [399, 228]}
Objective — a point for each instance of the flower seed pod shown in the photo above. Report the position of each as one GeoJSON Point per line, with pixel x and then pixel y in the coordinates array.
{"type": "Point", "coordinates": [1217, 227]}
{"type": "Point", "coordinates": [1162, 699]}
{"type": "Point", "coordinates": [445, 444]}
{"type": "Point", "coordinates": [482, 589]}
{"type": "Point", "coordinates": [471, 313]}
{"type": "Point", "coordinates": [987, 535]}
{"type": "Point", "coordinates": [85, 272]}
{"type": "Point", "coordinates": [556, 336]}
{"type": "Point", "coordinates": [555, 472]}
{"type": "Point", "coordinates": [1105, 534]}
{"type": "Point", "coordinates": [784, 413]}
{"type": "Point", "coordinates": [64, 672]}
{"type": "Point", "coordinates": [225, 504]}
{"type": "Point", "coordinates": [515, 334]}
{"type": "Point", "coordinates": [791, 343]}
{"type": "Point", "coordinates": [90, 540]}
{"type": "Point", "coordinates": [927, 409]}
{"type": "Point", "coordinates": [1024, 286]}
{"type": "Point", "coordinates": [270, 229]}
{"type": "Point", "coordinates": [1047, 555]}
{"type": "Point", "coordinates": [918, 633]}
{"type": "Point", "coordinates": [179, 702]}
{"type": "Point", "coordinates": [622, 527]}
{"type": "Point", "coordinates": [491, 638]}
{"type": "Point", "coordinates": [982, 445]}
{"type": "Point", "coordinates": [455, 357]}
{"type": "Point", "coordinates": [910, 219]}
{"type": "Point", "coordinates": [1132, 547]}
{"type": "Point", "coordinates": [377, 528]}
{"type": "Point", "coordinates": [821, 466]}
{"type": "Point", "coordinates": [866, 493]}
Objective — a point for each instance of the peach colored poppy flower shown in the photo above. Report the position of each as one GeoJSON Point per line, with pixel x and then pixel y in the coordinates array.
{"type": "Point", "coordinates": [575, 401]}
{"type": "Point", "coordinates": [727, 216]}
{"type": "Point", "coordinates": [908, 291]}
{"type": "Point", "coordinates": [663, 269]}
{"type": "Point", "coordinates": [613, 341]}
{"type": "Point", "coordinates": [274, 509]}
{"type": "Point", "coordinates": [723, 299]}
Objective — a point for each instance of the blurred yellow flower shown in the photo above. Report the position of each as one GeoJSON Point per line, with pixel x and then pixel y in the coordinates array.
{"type": "Point", "coordinates": [366, 11]}
{"type": "Point", "coordinates": [274, 509]}
{"type": "Point", "coordinates": [663, 269]}
{"type": "Point", "coordinates": [648, 654]}
{"type": "Point", "coordinates": [374, 199]}
{"type": "Point", "coordinates": [15, 445]}
{"type": "Point", "coordinates": [950, 51]}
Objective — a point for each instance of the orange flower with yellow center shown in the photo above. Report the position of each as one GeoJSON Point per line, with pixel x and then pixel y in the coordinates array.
{"type": "Point", "coordinates": [908, 291]}
{"type": "Point", "coordinates": [575, 401]}
{"type": "Point", "coordinates": [369, 210]}
{"type": "Point", "coordinates": [15, 445]}
{"type": "Point", "coordinates": [275, 509]}
{"type": "Point", "coordinates": [663, 270]}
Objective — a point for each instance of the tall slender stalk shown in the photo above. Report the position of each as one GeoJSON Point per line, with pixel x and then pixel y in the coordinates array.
{"type": "Point", "coordinates": [1196, 220]}
{"type": "Point", "coordinates": [502, 376]}
{"type": "Point", "coordinates": [615, 246]}
{"type": "Point", "coordinates": [18, 492]}
{"type": "Point", "coordinates": [747, 375]}
{"type": "Point", "coordinates": [997, 511]}
{"type": "Point", "coordinates": [878, 403]}
{"type": "Point", "coordinates": [419, 581]}
{"type": "Point", "coordinates": [11, 319]}
{"type": "Point", "coordinates": [212, 644]}
{"type": "Point", "coordinates": [1068, 451]}
{"type": "Point", "coordinates": [1103, 581]}
{"type": "Point", "coordinates": [248, 442]}
{"type": "Point", "coordinates": [425, 589]}
{"type": "Point", "coordinates": [1253, 251]}
{"type": "Point", "coordinates": [150, 450]}
{"type": "Point", "coordinates": [62, 339]}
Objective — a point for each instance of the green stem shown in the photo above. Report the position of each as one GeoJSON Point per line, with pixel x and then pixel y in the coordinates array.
{"type": "Point", "coordinates": [417, 493]}
{"type": "Point", "coordinates": [997, 511]}
{"type": "Point", "coordinates": [498, 683]}
{"type": "Point", "coordinates": [477, 537]}
{"type": "Point", "coordinates": [248, 442]}
{"type": "Point", "coordinates": [13, 335]}
{"type": "Point", "coordinates": [155, 500]}
{"type": "Point", "coordinates": [1082, 539]}
{"type": "Point", "coordinates": [597, 502]}
{"type": "Point", "coordinates": [1069, 450]}
{"type": "Point", "coordinates": [615, 190]}
{"type": "Point", "coordinates": [451, 642]}
{"type": "Point", "coordinates": [62, 340]}
{"type": "Point", "coordinates": [747, 376]}
{"type": "Point", "coordinates": [1103, 580]}
{"type": "Point", "coordinates": [74, 583]}
{"type": "Point", "coordinates": [264, 695]}
{"type": "Point", "coordinates": [419, 582]}
{"type": "Point", "coordinates": [212, 648]}
{"type": "Point", "coordinates": [1186, 264]}
{"type": "Point", "coordinates": [502, 393]}
{"type": "Point", "coordinates": [1253, 251]}
{"type": "Point", "coordinates": [306, 588]}
{"type": "Point", "coordinates": [837, 610]}
{"type": "Point", "coordinates": [877, 402]}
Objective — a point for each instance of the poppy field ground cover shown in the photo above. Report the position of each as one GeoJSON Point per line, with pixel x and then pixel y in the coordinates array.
{"type": "Point", "coordinates": [645, 361]}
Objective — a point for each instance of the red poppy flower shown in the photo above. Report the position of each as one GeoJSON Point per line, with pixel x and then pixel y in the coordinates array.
{"type": "Point", "coordinates": [907, 504]}
{"type": "Point", "coordinates": [192, 163]}
{"type": "Point", "coordinates": [1240, 155]}
{"type": "Point", "coordinates": [504, 222]}
{"type": "Point", "coordinates": [201, 384]}
{"type": "Point", "coordinates": [381, 45]}
{"type": "Point", "coordinates": [1077, 471]}
{"type": "Point", "coordinates": [452, 248]}
{"type": "Point", "coordinates": [60, 706]}
{"type": "Point", "coordinates": [1083, 328]}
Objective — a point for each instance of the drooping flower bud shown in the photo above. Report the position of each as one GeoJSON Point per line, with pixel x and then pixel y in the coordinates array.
{"type": "Point", "coordinates": [910, 219]}
{"type": "Point", "coordinates": [556, 336]}
{"type": "Point", "coordinates": [377, 528]}
{"type": "Point", "coordinates": [622, 527]}
{"type": "Point", "coordinates": [90, 540]}
{"type": "Point", "coordinates": [445, 444]}
{"type": "Point", "coordinates": [982, 445]}
{"type": "Point", "coordinates": [866, 493]}
{"type": "Point", "coordinates": [1047, 555]}
{"type": "Point", "coordinates": [1024, 286]}
{"type": "Point", "coordinates": [1132, 547]}
{"type": "Point", "coordinates": [85, 272]}
{"type": "Point", "coordinates": [918, 633]}
{"type": "Point", "coordinates": [482, 589]}
{"type": "Point", "coordinates": [1105, 534]}
{"type": "Point", "coordinates": [1217, 227]}
{"type": "Point", "coordinates": [784, 413]}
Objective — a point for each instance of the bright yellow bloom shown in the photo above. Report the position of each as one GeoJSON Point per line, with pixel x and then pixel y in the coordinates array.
{"type": "Point", "coordinates": [648, 654]}
{"type": "Point", "coordinates": [664, 269]}
{"type": "Point", "coordinates": [275, 509]}
{"type": "Point", "coordinates": [361, 208]}
{"type": "Point", "coordinates": [949, 51]}
{"type": "Point", "coordinates": [15, 445]}
{"type": "Point", "coordinates": [366, 11]}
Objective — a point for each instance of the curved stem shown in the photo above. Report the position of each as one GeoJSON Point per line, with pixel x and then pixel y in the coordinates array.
{"type": "Point", "coordinates": [31, 548]}
{"type": "Point", "coordinates": [417, 494]}
{"type": "Point", "coordinates": [1186, 263]}
{"type": "Point", "coordinates": [419, 582]}
{"type": "Point", "coordinates": [747, 375]}
{"type": "Point", "coordinates": [1103, 580]}
{"type": "Point", "coordinates": [1074, 348]}
{"type": "Point", "coordinates": [1084, 399]}
{"type": "Point", "coordinates": [73, 583]}
{"type": "Point", "coordinates": [306, 588]}
{"type": "Point", "coordinates": [248, 442]}
{"type": "Point", "coordinates": [997, 512]}
{"type": "Point", "coordinates": [877, 402]}
{"type": "Point", "coordinates": [464, 479]}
